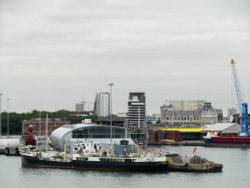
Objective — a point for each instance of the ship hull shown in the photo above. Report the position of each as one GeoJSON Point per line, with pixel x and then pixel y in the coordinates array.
{"type": "Point", "coordinates": [210, 167]}
{"type": "Point", "coordinates": [30, 161]}
{"type": "Point", "coordinates": [233, 142]}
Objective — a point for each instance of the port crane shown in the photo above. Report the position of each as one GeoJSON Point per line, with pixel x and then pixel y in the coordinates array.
{"type": "Point", "coordinates": [242, 106]}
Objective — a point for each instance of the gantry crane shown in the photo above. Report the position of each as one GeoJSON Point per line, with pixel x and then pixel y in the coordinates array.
{"type": "Point", "coordinates": [242, 106]}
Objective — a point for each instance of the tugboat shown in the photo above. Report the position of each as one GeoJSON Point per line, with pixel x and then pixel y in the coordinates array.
{"type": "Point", "coordinates": [196, 163]}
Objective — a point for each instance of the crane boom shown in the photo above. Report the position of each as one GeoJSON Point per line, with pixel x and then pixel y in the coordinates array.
{"type": "Point", "coordinates": [242, 107]}
{"type": "Point", "coordinates": [237, 85]}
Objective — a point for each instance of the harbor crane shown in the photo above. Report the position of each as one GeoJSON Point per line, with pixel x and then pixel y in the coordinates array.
{"type": "Point", "coordinates": [237, 85]}
{"type": "Point", "coordinates": [242, 106]}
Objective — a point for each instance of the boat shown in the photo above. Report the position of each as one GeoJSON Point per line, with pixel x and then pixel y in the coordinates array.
{"type": "Point", "coordinates": [175, 162]}
{"type": "Point", "coordinates": [242, 140]}
{"type": "Point", "coordinates": [227, 141]}
{"type": "Point", "coordinates": [89, 156]}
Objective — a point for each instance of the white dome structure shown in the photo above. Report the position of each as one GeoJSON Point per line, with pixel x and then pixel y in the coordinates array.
{"type": "Point", "coordinates": [68, 134]}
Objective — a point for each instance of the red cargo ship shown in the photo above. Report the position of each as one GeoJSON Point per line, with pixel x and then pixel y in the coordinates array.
{"type": "Point", "coordinates": [226, 141]}
{"type": "Point", "coordinates": [240, 141]}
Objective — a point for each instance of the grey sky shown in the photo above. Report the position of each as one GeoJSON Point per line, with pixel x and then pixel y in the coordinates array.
{"type": "Point", "coordinates": [56, 53]}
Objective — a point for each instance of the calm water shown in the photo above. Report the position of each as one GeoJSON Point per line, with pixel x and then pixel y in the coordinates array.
{"type": "Point", "coordinates": [236, 173]}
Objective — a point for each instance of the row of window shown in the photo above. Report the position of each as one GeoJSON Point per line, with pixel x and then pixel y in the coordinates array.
{"type": "Point", "coordinates": [98, 132]}
{"type": "Point", "coordinates": [181, 118]}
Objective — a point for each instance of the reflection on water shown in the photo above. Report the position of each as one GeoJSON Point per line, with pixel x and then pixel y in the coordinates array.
{"type": "Point", "coordinates": [236, 172]}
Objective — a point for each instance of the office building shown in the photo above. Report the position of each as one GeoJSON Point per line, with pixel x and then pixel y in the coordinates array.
{"type": "Point", "coordinates": [136, 109]}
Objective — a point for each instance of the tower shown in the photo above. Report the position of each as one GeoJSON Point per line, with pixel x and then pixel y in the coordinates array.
{"type": "Point", "coordinates": [136, 109]}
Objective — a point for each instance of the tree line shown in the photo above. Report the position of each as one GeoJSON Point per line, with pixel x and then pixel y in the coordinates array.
{"type": "Point", "coordinates": [16, 119]}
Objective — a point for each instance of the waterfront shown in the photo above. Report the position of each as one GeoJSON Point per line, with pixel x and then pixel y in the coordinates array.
{"type": "Point", "coordinates": [236, 172]}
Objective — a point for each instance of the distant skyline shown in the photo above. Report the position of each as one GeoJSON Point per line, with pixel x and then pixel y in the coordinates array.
{"type": "Point", "coordinates": [54, 54]}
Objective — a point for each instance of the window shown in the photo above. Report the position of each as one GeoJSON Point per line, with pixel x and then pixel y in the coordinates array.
{"type": "Point", "coordinates": [98, 132]}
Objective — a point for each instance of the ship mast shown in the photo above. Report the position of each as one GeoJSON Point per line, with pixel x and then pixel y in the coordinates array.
{"type": "Point", "coordinates": [46, 133]}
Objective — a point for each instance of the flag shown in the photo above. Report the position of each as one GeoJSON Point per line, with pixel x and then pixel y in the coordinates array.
{"type": "Point", "coordinates": [194, 150]}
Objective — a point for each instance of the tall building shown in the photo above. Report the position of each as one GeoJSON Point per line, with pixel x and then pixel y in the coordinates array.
{"type": "Point", "coordinates": [83, 107]}
{"type": "Point", "coordinates": [136, 109]}
{"type": "Point", "coordinates": [101, 106]}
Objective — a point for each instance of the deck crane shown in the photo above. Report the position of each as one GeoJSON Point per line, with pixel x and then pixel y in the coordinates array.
{"type": "Point", "coordinates": [242, 106]}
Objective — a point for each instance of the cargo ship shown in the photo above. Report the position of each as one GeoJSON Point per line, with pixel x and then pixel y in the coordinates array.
{"type": "Point", "coordinates": [226, 141]}
{"type": "Point", "coordinates": [242, 140]}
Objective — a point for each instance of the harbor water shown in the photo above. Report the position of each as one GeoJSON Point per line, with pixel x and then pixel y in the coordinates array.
{"type": "Point", "coordinates": [236, 172]}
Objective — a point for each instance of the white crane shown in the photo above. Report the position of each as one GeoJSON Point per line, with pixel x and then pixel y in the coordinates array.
{"type": "Point", "coordinates": [242, 106]}
{"type": "Point", "coordinates": [237, 86]}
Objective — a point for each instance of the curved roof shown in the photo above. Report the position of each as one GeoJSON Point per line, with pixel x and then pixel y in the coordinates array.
{"type": "Point", "coordinates": [60, 132]}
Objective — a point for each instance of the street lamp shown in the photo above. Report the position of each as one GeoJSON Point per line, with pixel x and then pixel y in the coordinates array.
{"type": "Point", "coordinates": [110, 111]}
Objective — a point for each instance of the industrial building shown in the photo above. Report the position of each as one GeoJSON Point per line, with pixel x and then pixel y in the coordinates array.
{"type": "Point", "coordinates": [39, 125]}
{"type": "Point", "coordinates": [226, 129]}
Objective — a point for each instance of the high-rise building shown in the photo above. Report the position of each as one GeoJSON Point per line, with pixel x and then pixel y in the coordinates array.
{"type": "Point", "coordinates": [101, 106]}
{"type": "Point", "coordinates": [136, 109]}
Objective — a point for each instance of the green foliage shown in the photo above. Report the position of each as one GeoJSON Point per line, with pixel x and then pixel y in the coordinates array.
{"type": "Point", "coordinates": [15, 119]}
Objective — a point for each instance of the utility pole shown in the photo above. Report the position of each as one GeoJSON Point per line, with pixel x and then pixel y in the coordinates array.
{"type": "Point", "coordinates": [1, 114]}
{"type": "Point", "coordinates": [8, 116]}
{"type": "Point", "coordinates": [110, 111]}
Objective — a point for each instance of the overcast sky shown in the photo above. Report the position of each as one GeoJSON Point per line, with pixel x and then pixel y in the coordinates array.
{"type": "Point", "coordinates": [55, 53]}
